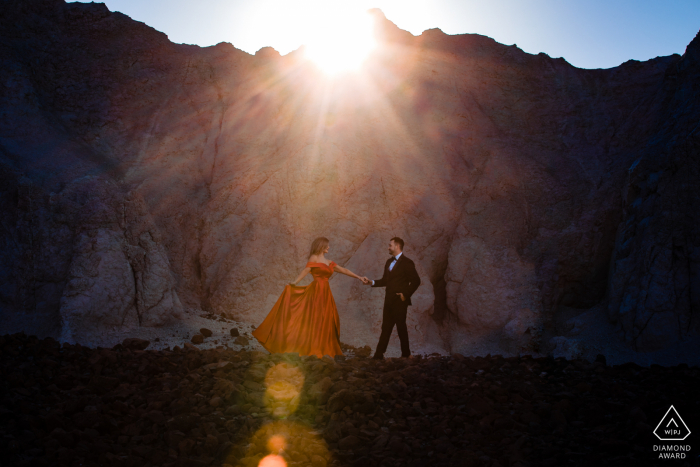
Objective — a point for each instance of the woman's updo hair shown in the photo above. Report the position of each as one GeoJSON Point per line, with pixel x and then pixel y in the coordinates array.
{"type": "Point", "coordinates": [318, 245]}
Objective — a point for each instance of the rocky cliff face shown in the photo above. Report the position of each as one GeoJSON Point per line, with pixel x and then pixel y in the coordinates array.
{"type": "Point", "coordinates": [655, 271]}
{"type": "Point", "coordinates": [142, 177]}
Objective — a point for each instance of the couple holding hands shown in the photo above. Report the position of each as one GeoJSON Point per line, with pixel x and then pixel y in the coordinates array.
{"type": "Point", "coordinates": [305, 319]}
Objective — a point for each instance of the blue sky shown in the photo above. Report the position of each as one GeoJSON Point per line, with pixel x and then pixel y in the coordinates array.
{"type": "Point", "coordinates": [588, 34]}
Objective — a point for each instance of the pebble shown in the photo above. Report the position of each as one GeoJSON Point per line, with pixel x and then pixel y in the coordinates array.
{"type": "Point", "coordinates": [197, 339]}
{"type": "Point", "coordinates": [241, 340]}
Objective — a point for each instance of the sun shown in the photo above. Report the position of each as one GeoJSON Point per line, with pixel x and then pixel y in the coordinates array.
{"type": "Point", "coordinates": [341, 40]}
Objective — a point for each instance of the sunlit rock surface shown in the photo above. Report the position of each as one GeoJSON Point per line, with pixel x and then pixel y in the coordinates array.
{"type": "Point", "coordinates": [141, 177]}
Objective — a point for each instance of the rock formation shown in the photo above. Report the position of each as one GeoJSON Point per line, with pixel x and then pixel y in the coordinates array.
{"type": "Point", "coordinates": [142, 177]}
{"type": "Point", "coordinates": [655, 270]}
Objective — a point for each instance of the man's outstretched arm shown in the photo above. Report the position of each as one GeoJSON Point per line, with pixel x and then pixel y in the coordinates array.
{"type": "Point", "coordinates": [379, 282]}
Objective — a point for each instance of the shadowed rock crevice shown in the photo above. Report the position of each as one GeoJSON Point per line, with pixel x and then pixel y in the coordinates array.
{"type": "Point", "coordinates": [440, 305]}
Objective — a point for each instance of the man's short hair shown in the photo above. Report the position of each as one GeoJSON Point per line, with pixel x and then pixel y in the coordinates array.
{"type": "Point", "coordinates": [398, 241]}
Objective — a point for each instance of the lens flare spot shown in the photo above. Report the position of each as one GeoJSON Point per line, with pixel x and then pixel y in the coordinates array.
{"type": "Point", "coordinates": [272, 460]}
{"type": "Point", "coordinates": [281, 441]}
{"type": "Point", "coordinates": [276, 443]}
{"type": "Point", "coordinates": [283, 389]}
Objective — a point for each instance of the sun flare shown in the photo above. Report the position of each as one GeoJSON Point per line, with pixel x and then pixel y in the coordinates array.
{"type": "Point", "coordinates": [342, 41]}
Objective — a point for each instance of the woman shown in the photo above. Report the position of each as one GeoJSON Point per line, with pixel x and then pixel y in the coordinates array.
{"type": "Point", "coordinates": [305, 318]}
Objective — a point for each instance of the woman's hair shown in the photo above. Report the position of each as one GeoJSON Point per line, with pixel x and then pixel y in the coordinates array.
{"type": "Point", "coordinates": [318, 245]}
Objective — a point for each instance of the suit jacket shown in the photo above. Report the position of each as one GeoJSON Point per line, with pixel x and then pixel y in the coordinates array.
{"type": "Point", "coordinates": [403, 278]}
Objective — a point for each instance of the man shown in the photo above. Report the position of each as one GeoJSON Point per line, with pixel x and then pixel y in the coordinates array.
{"type": "Point", "coordinates": [401, 280]}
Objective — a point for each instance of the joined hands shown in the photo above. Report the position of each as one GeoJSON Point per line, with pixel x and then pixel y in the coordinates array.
{"type": "Point", "coordinates": [365, 280]}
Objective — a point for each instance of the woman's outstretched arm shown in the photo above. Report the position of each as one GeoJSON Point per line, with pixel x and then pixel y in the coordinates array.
{"type": "Point", "coordinates": [347, 272]}
{"type": "Point", "coordinates": [303, 273]}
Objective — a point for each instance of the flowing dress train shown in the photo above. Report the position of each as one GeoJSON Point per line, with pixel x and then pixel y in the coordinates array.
{"type": "Point", "coordinates": [304, 319]}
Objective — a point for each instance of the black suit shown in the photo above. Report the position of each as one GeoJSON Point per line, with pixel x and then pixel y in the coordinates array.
{"type": "Point", "coordinates": [404, 279]}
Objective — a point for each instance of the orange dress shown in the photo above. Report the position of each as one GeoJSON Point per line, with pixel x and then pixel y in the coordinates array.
{"type": "Point", "coordinates": [304, 319]}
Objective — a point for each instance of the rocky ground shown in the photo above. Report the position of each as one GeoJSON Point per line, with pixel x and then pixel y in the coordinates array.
{"type": "Point", "coordinates": [74, 405]}
{"type": "Point", "coordinates": [204, 329]}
